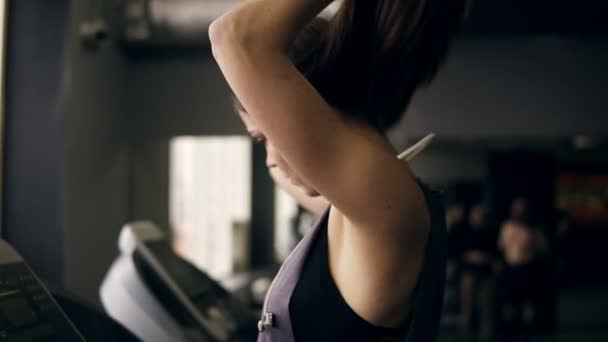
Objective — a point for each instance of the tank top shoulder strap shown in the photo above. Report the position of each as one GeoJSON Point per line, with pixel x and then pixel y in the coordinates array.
{"type": "Point", "coordinates": [428, 297]}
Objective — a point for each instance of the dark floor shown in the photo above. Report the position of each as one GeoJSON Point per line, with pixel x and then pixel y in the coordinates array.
{"type": "Point", "coordinates": [583, 317]}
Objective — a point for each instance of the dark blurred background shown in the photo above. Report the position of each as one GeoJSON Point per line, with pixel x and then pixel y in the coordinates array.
{"type": "Point", "coordinates": [115, 111]}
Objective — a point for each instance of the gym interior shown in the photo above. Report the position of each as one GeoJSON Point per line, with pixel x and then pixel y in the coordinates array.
{"type": "Point", "coordinates": [132, 197]}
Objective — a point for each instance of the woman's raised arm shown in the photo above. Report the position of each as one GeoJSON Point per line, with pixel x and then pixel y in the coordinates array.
{"type": "Point", "coordinates": [353, 167]}
{"type": "Point", "coordinates": [270, 23]}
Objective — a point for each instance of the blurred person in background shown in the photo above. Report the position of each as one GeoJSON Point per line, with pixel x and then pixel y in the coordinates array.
{"type": "Point", "coordinates": [478, 255]}
{"type": "Point", "coordinates": [522, 244]}
{"type": "Point", "coordinates": [555, 227]}
{"type": "Point", "coordinates": [455, 222]}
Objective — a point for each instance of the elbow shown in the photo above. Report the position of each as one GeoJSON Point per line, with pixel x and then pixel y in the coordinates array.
{"type": "Point", "coordinates": [230, 31]}
{"type": "Point", "coordinates": [236, 30]}
{"type": "Point", "coordinates": [220, 34]}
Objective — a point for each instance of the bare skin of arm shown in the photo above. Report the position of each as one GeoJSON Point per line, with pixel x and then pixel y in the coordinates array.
{"type": "Point", "coordinates": [378, 222]}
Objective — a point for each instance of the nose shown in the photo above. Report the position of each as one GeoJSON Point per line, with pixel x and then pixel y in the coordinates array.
{"type": "Point", "coordinates": [271, 160]}
{"type": "Point", "coordinates": [270, 163]}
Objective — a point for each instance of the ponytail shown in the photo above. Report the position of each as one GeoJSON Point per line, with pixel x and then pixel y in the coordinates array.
{"type": "Point", "coordinates": [376, 53]}
{"type": "Point", "coordinates": [370, 58]}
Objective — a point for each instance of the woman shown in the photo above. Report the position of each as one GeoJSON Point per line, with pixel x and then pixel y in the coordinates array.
{"type": "Point", "coordinates": [522, 245]}
{"type": "Point", "coordinates": [320, 95]}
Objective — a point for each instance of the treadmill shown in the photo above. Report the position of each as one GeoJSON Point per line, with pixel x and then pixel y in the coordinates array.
{"type": "Point", "coordinates": [159, 296]}
{"type": "Point", "coordinates": [28, 312]}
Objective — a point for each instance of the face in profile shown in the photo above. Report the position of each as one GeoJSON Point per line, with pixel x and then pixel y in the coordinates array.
{"type": "Point", "coordinates": [274, 160]}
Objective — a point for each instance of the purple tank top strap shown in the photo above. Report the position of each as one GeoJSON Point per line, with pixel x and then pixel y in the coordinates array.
{"type": "Point", "coordinates": [275, 324]}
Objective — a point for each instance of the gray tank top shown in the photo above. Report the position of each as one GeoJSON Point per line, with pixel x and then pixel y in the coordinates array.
{"type": "Point", "coordinates": [275, 324]}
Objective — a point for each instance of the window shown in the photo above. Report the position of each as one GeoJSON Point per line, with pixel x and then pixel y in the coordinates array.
{"type": "Point", "coordinates": [210, 204]}
{"type": "Point", "coordinates": [210, 201]}
{"type": "Point", "coordinates": [286, 214]}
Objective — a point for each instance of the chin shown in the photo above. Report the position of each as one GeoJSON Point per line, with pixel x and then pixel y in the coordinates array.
{"type": "Point", "coordinates": [312, 193]}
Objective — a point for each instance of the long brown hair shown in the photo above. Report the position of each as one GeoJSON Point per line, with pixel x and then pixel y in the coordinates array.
{"type": "Point", "coordinates": [371, 57]}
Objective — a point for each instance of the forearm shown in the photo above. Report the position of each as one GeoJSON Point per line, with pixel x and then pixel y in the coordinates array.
{"type": "Point", "coordinates": [266, 23]}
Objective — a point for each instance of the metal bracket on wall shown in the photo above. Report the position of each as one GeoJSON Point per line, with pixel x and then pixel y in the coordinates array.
{"type": "Point", "coordinates": [101, 17]}
{"type": "Point", "coordinates": [94, 33]}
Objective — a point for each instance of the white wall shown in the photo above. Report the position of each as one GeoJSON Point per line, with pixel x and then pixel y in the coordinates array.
{"type": "Point", "coordinates": [180, 96]}
{"type": "Point", "coordinates": [444, 167]}
{"type": "Point", "coordinates": [496, 87]}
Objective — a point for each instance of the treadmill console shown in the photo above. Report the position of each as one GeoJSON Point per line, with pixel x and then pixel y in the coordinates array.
{"type": "Point", "coordinates": [27, 310]}
{"type": "Point", "coordinates": [189, 304]}
{"type": "Point", "coordinates": [191, 296]}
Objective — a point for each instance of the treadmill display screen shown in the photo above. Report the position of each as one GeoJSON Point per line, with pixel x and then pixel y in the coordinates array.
{"type": "Point", "coordinates": [222, 316]}
{"type": "Point", "coordinates": [191, 281]}
{"type": "Point", "coordinates": [27, 312]}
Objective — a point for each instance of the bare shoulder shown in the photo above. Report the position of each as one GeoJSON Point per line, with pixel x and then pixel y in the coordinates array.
{"type": "Point", "coordinates": [376, 268]}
